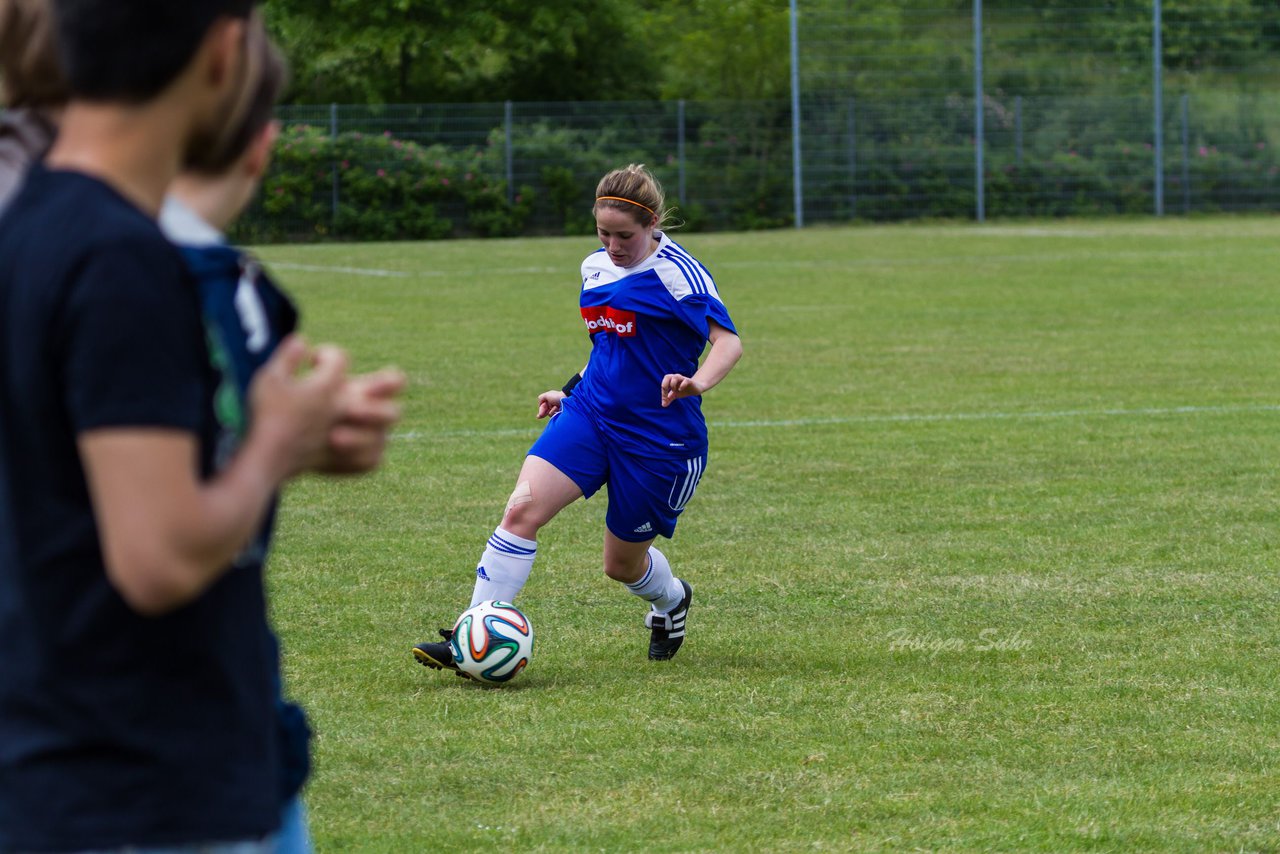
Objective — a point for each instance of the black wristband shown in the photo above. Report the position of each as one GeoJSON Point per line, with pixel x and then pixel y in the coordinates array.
{"type": "Point", "coordinates": [573, 381]}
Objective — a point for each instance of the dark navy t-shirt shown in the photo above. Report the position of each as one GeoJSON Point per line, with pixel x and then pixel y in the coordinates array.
{"type": "Point", "coordinates": [115, 728]}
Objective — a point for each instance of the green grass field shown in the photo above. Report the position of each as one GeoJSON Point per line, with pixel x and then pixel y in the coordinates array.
{"type": "Point", "coordinates": [985, 558]}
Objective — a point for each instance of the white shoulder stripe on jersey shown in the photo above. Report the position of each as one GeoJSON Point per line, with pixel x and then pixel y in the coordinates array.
{"type": "Point", "coordinates": [691, 265]}
{"type": "Point", "coordinates": [709, 285]}
{"type": "Point", "coordinates": [673, 276]}
{"type": "Point", "coordinates": [695, 283]}
{"type": "Point", "coordinates": [677, 249]}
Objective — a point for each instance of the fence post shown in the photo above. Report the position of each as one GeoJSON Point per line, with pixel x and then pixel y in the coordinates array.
{"type": "Point", "coordinates": [797, 172]}
{"type": "Point", "coordinates": [1157, 62]}
{"type": "Point", "coordinates": [333, 136]}
{"type": "Point", "coordinates": [978, 110]}
{"type": "Point", "coordinates": [680, 150]}
{"type": "Point", "coordinates": [1186, 155]}
{"type": "Point", "coordinates": [1017, 130]}
{"type": "Point", "coordinates": [853, 163]}
{"type": "Point", "coordinates": [507, 112]}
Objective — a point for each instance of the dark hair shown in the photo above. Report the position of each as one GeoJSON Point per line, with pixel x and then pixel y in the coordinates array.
{"type": "Point", "coordinates": [258, 109]}
{"type": "Point", "coordinates": [29, 72]}
{"type": "Point", "coordinates": [131, 50]}
{"type": "Point", "coordinates": [635, 191]}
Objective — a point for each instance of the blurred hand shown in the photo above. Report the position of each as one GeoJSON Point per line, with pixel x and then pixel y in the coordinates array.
{"type": "Point", "coordinates": [297, 412]}
{"type": "Point", "coordinates": [368, 408]}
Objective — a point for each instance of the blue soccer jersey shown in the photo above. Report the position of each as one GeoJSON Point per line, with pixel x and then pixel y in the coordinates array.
{"type": "Point", "coordinates": [645, 322]}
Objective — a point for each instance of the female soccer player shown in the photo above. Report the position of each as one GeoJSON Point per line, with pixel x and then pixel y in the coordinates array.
{"type": "Point", "coordinates": [631, 419]}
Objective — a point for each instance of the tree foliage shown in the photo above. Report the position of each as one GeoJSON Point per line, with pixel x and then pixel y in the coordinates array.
{"type": "Point", "coordinates": [362, 51]}
{"type": "Point", "coordinates": [720, 49]}
{"type": "Point", "coordinates": [358, 51]}
{"type": "Point", "coordinates": [1196, 34]}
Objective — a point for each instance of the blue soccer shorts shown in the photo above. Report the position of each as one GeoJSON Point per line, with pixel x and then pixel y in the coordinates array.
{"type": "Point", "coordinates": [646, 494]}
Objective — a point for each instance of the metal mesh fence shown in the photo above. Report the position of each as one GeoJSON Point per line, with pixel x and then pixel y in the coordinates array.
{"type": "Point", "coordinates": [497, 169]}
{"type": "Point", "coordinates": [888, 130]}
{"type": "Point", "coordinates": [1068, 120]}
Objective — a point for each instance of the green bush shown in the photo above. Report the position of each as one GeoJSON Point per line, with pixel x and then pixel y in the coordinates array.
{"type": "Point", "coordinates": [385, 189]}
{"type": "Point", "coordinates": [738, 169]}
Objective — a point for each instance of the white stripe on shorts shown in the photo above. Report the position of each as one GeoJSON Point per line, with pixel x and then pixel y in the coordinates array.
{"type": "Point", "coordinates": [691, 478]}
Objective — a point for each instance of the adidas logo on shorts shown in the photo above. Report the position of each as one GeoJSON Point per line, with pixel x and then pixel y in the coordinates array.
{"type": "Point", "coordinates": [646, 528]}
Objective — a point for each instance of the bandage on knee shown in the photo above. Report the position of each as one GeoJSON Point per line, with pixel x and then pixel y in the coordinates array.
{"type": "Point", "coordinates": [522, 494]}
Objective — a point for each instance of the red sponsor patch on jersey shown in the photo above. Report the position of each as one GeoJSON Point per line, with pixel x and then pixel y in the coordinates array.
{"type": "Point", "coordinates": [602, 318]}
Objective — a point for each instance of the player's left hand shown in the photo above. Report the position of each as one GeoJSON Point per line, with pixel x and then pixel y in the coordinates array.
{"type": "Point", "coordinates": [676, 386]}
{"type": "Point", "coordinates": [369, 409]}
{"type": "Point", "coordinates": [549, 403]}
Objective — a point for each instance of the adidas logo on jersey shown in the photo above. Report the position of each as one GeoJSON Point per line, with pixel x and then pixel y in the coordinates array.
{"type": "Point", "coordinates": [605, 319]}
{"type": "Point", "coordinates": [480, 573]}
{"type": "Point", "coordinates": [595, 275]}
{"type": "Point", "coordinates": [646, 528]}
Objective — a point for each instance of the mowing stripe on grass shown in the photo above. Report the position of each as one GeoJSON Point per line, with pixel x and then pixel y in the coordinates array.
{"type": "Point", "coordinates": [903, 418]}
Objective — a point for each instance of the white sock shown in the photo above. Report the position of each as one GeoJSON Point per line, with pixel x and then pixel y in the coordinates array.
{"type": "Point", "coordinates": [658, 586]}
{"type": "Point", "coordinates": [504, 567]}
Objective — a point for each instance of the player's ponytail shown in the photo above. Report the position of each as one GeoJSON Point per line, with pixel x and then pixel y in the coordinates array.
{"type": "Point", "coordinates": [636, 191]}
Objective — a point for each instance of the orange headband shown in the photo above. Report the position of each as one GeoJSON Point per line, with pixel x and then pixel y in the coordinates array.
{"type": "Point", "coordinates": [628, 201]}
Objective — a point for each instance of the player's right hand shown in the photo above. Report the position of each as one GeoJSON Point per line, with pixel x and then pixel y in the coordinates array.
{"type": "Point", "coordinates": [549, 403]}
{"type": "Point", "coordinates": [297, 412]}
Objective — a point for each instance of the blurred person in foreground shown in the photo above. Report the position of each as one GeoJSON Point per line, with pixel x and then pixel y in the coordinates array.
{"type": "Point", "coordinates": [246, 317]}
{"type": "Point", "coordinates": [31, 87]}
{"type": "Point", "coordinates": [138, 708]}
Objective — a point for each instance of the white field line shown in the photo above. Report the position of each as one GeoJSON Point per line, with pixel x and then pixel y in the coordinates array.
{"type": "Point", "coordinates": [355, 271]}
{"type": "Point", "coordinates": [905, 418]}
{"type": "Point", "coordinates": [406, 274]}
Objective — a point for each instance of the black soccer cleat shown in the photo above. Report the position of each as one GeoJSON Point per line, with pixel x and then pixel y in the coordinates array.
{"type": "Point", "coordinates": [438, 656]}
{"type": "Point", "coordinates": [668, 629]}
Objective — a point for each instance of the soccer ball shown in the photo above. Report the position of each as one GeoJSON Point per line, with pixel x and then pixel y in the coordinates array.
{"type": "Point", "coordinates": [492, 642]}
